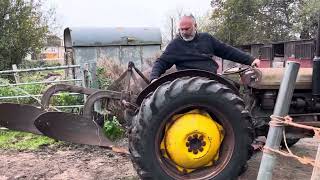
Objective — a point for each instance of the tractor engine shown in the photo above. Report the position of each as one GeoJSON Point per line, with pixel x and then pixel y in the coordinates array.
{"type": "Point", "coordinates": [261, 87]}
{"type": "Point", "coordinates": [301, 102]}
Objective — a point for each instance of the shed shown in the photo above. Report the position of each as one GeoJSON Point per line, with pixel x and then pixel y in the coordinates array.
{"type": "Point", "coordinates": [119, 44]}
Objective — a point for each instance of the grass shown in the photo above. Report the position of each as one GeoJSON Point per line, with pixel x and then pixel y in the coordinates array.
{"type": "Point", "coordinates": [23, 141]}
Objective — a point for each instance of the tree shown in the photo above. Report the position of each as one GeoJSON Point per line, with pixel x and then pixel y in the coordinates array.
{"type": "Point", "coordinates": [23, 29]}
{"type": "Point", "coordinates": [247, 21]}
{"type": "Point", "coordinates": [170, 26]}
{"type": "Point", "coordinates": [308, 19]}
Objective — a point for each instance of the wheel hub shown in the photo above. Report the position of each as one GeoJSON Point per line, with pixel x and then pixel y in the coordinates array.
{"type": "Point", "coordinates": [195, 143]}
{"type": "Point", "coordinates": [192, 140]}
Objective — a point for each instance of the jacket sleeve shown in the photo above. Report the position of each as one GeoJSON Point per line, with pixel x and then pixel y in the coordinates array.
{"type": "Point", "coordinates": [230, 53]}
{"type": "Point", "coordinates": [163, 63]}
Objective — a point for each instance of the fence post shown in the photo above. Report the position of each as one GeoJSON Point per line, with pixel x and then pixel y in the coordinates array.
{"type": "Point", "coordinates": [281, 109]}
{"type": "Point", "coordinates": [316, 171]}
{"type": "Point", "coordinates": [16, 74]}
{"type": "Point", "coordinates": [85, 78]}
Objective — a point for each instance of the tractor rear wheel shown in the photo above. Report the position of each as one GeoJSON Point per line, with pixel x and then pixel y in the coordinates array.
{"type": "Point", "coordinates": [191, 128]}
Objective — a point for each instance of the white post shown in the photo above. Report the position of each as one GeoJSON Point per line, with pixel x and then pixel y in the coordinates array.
{"type": "Point", "coordinates": [16, 74]}
{"type": "Point", "coordinates": [316, 169]}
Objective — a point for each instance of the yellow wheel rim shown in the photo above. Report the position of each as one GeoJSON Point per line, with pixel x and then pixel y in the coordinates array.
{"type": "Point", "coordinates": [193, 140]}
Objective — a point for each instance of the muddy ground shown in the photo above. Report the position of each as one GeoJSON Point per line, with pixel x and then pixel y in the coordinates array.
{"type": "Point", "coordinates": [85, 162]}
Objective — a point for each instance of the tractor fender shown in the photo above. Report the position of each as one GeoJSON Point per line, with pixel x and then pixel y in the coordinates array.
{"type": "Point", "coordinates": [186, 73]}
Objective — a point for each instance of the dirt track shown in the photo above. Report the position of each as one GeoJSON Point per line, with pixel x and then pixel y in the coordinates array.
{"type": "Point", "coordinates": [85, 162]}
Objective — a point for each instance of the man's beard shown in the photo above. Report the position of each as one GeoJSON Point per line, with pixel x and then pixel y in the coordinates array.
{"type": "Point", "coordinates": [191, 37]}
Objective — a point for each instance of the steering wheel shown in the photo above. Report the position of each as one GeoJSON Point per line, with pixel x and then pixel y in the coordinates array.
{"type": "Point", "coordinates": [235, 70]}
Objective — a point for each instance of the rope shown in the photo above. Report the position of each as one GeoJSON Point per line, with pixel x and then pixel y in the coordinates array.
{"type": "Point", "coordinates": [277, 121]}
{"type": "Point", "coordinates": [303, 160]}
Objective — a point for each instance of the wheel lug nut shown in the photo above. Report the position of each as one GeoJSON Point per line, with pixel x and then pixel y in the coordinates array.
{"type": "Point", "coordinates": [189, 138]}
{"type": "Point", "coordinates": [201, 138]}
{"type": "Point", "coordinates": [201, 149]}
{"type": "Point", "coordinates": [203, 143]}
{"type": "Point", "coordinates": [195, 151]}
{"type": "Point", "coordinates": [195, 136]}
{"type": "Point", "coordinates": [189, 150]}
{"type": "Point", "coordinates": [187, 144]}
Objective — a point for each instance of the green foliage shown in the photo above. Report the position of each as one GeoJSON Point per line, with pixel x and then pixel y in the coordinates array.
{"type": "Point", "coordinates": [247, 21]}
{"type": "Point", "coordinates": [103, 82]}
{"type": "Point", "coordinates": [308, 19]}
{"type": "Point", "coordinates": [26, 64]}
{"type": "Point", "coordinates": [23, 141]}
{"type": "Point", "coordinates": [36, 89]}
{"type": "Point", "coordinates": [33, 89]}
{"type": "Point", "coordinates": [113, 129]}
{"type": "Point", "coordinates": [65, 99]}
{"type": "Point", "coordinates": [23, 29]}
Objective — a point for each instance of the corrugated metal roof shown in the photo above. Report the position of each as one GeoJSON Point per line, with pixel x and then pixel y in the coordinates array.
{"type": "Point", "coordinates": [86, 37]}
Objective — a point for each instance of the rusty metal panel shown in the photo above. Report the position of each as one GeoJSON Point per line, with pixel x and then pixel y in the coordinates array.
{"type": "Point", "coordinates": [111, 53]}
{"type": "Point", "coordinates": [86, 57]}
{"type": "Point", "coordinates": [149, 55]}
{"type": "Point", "coordinates": [266, 52]}
{"type": "Point", "coordinates": [255, 50]}
{"type": "Point", "coordinates": [304, 50]}
{"type": "Point", "coordinates": [289, 50]}
{"type": "Point", "coordinates": [266, 55]}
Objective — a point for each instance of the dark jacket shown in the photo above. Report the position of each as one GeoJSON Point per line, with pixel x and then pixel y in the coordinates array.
{"type": "Point", "coordinates": [197, 54]}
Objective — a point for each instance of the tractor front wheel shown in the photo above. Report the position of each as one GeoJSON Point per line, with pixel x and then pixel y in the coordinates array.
{"type": "Point", "coordinates": [191, 128]}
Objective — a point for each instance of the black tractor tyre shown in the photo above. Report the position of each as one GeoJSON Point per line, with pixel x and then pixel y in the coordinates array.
{"type": "Point", "coordinates": [160, 105]}
{"type": "Point", "coordinates": [290, 142]}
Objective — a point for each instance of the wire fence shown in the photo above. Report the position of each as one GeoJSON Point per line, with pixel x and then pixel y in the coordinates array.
{"type": "Point", "coordinates": [21, 88]}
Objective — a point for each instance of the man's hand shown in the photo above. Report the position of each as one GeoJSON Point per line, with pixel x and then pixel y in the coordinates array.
{"type": "Point", "coordinates": [256, 63]}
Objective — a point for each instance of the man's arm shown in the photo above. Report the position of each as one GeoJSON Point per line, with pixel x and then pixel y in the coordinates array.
{"type": "Point", "coordinates": [163, 63]}
{"type": "Point", "coordinates": [159, 67]}
{"type": "Point", "coordinates": [231, 53]}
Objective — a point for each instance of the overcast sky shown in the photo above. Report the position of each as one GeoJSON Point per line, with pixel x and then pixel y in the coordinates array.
{"type": "Point", "coordinates": [126, 13]}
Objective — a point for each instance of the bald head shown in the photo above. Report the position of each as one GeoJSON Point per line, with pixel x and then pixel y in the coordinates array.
{"type": "Point", "coordinates": [187, 27]}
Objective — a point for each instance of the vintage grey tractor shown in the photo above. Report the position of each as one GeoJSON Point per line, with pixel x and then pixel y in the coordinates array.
{"type": "Point", "coordinates": [189, 124]}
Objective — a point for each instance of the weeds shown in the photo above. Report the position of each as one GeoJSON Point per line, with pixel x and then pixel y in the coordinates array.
{"type": "Point", "coordinates": [113, 129]}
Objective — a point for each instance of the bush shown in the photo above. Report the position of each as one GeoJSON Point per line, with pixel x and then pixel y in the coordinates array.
{"type": "Point", "coordinates": [109, 70]}
{"type": "Point", "coordinates": [113, 129]}
{"type": "Point", "coordinates": [66, 100]}
{"type": "Point", "coordinates": [103, 82]}
{"type": "Point", "coordinates": [33, 89]}
{"type": "Point", "coordinates": [27, 64]}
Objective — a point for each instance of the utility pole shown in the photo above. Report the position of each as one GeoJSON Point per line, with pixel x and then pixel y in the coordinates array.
{"type": "Point", "coordinates": [281, 109]}
{"type": "Point", "coordinates": [172, 35]}
{"type": "Point", "coordinates": [318, 38]}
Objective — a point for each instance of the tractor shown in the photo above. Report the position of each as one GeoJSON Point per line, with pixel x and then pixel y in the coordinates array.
{"type": "Point", "coordinates": [190, 124]}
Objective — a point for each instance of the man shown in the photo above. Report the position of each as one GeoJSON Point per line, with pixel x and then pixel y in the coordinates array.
{"type": "Point", "coordinates": [193, 50]}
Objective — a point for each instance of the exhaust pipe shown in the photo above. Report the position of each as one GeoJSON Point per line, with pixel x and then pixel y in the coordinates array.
{"type": "Point", "coordinates": [316, 69]}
